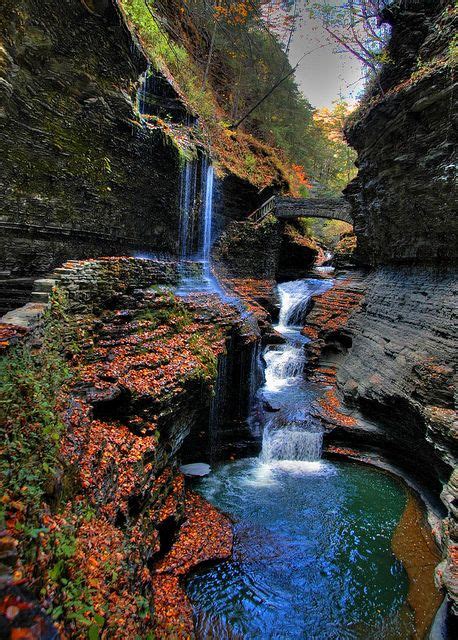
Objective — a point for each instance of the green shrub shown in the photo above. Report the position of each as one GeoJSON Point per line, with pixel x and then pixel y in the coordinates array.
{"type": "Point", "coordinates": [30, 382]}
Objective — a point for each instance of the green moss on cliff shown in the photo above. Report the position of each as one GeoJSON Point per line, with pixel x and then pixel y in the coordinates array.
{"type": "Point", "coordinates": [31, 380]}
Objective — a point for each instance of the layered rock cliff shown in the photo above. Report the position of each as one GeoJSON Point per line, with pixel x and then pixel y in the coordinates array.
{"type": "Point", "coordinates": [404, 196]}
{"type": "Point", "coordinates": [399, 346]}
{"type": "Point", "coordinates": [125, 384]}
{"type": "Point", "coordinates": [80, 176]}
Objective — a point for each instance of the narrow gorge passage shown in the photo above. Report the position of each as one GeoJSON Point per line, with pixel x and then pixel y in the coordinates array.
{"type": "Point", "coordinates": [228, 320]}
{"type": "Point", "coordinates": [313, 553]}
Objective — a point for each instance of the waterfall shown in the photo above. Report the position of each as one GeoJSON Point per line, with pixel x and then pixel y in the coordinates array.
{"type": "Point", "coordinates": [292, 442]}
{"type": "Point", "coordinates": [289, 432]}
{"type": "Point", "coordinates": [207, 215]}
{"type": "Point", "coordinates": [294, 303]}
{"type": "Point", "coordinates": [196, 230]}
{"type": "Point", "coordinates": [284, 364]}
{"type": "Point", "coordinates": [187, 201]}
{"type": "Point", "coordinates": [146, 89]}
{"type": "Point", "coordinates": [296, 300]}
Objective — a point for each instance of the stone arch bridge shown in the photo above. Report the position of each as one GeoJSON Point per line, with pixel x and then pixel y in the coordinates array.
{"type": "Point", "coordinates": [286, 208]}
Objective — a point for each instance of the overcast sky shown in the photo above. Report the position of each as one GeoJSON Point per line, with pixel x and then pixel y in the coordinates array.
{"type": "Point", "coordinates": [325, 74]}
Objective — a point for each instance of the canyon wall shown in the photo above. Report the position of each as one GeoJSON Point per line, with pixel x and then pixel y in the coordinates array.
{"type": "Point", "coordinates": [399, 365]}
{"type": "Point", "coordinates": [80, 176]}
{"type": "Point", "coordinates": [404, 197]}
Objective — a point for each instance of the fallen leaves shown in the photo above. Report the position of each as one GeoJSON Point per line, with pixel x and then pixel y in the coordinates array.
{"type": "Point", "coordinates": [205, 535]}
{"type": "Point", "coordinates": [139, 376]}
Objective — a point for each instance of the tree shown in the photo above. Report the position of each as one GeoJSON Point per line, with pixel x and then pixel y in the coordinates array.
{"type": "Point", "coordinates": [336, 158]}
{"type": "Point", "coordinates": [356, 26]}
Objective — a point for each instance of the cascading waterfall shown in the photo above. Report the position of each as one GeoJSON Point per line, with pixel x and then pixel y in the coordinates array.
{"type": "Point", "coordinates": [292, 442]}
{"type": "Point", "coordinates": [187, 202]}
{"type": "Point", "coordinates": [196, 228]}
{"type": "Point", "coordinates": [284, 366]}
{"type": "Point", "coordinates": [289, 432]}
{"type": "Point", "coordinates": [207, 217]}
{"type": "Point", "coordinates": [326, 267]}
{"type": "Point", "coordinates": [295, 301]}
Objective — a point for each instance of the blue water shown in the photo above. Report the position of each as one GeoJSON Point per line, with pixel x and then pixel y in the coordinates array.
{"type": "Point", "coordinates": [312, 556]}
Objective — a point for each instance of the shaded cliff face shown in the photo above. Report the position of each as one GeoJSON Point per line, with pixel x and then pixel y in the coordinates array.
{"type": "Point", "coordinates": [400, 367]}
{"type": "Point", "coordinates": [404, 195]}
{"type": "Point", "coordinates": [80, 177]}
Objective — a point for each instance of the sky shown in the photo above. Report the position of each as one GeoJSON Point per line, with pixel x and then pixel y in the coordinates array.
{"type": "Point", "coordinates": [324, 75]}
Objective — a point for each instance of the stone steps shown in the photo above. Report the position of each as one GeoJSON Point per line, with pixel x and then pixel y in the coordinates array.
{"type": "Point", "coordinates": [14, 292]}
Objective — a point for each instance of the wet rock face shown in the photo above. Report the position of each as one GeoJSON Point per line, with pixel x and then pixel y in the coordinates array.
{"type": "Point", "coordinates": [79, 177]}
{"type": "Point", "coordinates": [297, 253]}
{"type": "Point", "coordinates": [399, 369]}
{"type": "Point", "coordinates": [250, 250]}
{"type": "Point", "coordinates": [404, 195]}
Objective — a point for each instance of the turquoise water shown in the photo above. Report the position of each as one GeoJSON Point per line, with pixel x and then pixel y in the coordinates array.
{"type": "Point", "coordinates": [312, 556]}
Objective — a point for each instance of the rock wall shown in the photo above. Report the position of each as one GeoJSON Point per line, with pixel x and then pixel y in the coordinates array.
{"type": "Point", "coordinates": [80, 177]}
{"type": "Point", "coordinates": [250, 250]}
{"type": "Point", "coordinates": [404, 196]}
{"type": "Point", "coordinates": [93, 285]}
{"type": "Point", "coordinates": [400, 368]}
{"type": "Point", "coordinates": [297, 253]}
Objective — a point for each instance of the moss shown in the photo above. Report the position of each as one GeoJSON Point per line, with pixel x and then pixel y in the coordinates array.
{"type": "Point", "coordinates": [31, 381]}
{"type": "Point", "coordinates": [167, 310]}
{"type": "Point", "coordinates": [201, 347]}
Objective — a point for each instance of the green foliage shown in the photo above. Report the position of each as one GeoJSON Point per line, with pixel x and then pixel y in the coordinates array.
{"type": "Point", "coordinates": [201, 348]}
{"type": "Point", "coordinates": [72, 603]}
{"type": "Point", "coordinates": [244, 63]}
{"type": "Point", "coordinates": [169, 312]}
{"type": "Point", "coordinates": [167, 54]}
{"type": "Point", "coordinates": [250, 162]}
{"type": "Point", "coordinates": [327, 232]}
{"type": "Point", "coordinates": [331, 160]}
{"type": "Point", "coordinates": [453, 51]}
{"type": "Point", "coordinates": [155, 39]}
{"type": "Point", "coordinates": [30, 381]}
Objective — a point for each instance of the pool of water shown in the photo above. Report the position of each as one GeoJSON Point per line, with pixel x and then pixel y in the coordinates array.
{"type": "Point", "coordinates": [312, 556]}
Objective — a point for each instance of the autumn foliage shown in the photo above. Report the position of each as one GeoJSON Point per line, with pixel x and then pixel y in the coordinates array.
{"type": "Point", "coordinates": [87, 542]}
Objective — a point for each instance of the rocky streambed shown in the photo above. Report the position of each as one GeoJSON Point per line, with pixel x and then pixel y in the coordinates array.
{"type": "Point", "coordinates": [158, 379]}
{"type": "Point", "coordinates": [272, 497]}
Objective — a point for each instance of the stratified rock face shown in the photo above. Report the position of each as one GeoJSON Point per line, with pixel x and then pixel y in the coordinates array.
{"type": "Point", "coordinates": [404, 197]}
{"type": "Point", "coordinates": [400, 367]}
{"type": "Point", "coordinates": [297, 253]}
{"type": "Point", "coordinates": [250, 250]}
{"type": "Point", "coordinates": [80, 177]}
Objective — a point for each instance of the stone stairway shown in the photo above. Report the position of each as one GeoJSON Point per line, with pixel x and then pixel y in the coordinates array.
{"type": "Point", "coordinates": [14, 292]}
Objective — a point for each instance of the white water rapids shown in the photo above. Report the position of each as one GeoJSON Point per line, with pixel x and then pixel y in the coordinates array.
{"type": "Point", "coordinates": [289, 434]}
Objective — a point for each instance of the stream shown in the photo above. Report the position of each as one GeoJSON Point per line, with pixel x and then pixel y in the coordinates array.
{"type": "Point", "coordinates": [313, 539]}
{"type": "Point", "coordinates": [312, 554]}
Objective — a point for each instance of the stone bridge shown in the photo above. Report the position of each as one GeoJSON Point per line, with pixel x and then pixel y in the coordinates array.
{"type": "Point", "coordinates": [288, 208]}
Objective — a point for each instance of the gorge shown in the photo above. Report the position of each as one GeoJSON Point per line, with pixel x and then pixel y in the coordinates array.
{"type": "Point", "coordinates": [218, 426]}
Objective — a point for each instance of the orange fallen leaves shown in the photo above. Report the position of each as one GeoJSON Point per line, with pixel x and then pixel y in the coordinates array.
{"type": "Point", "coordinates": [205, 535]}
